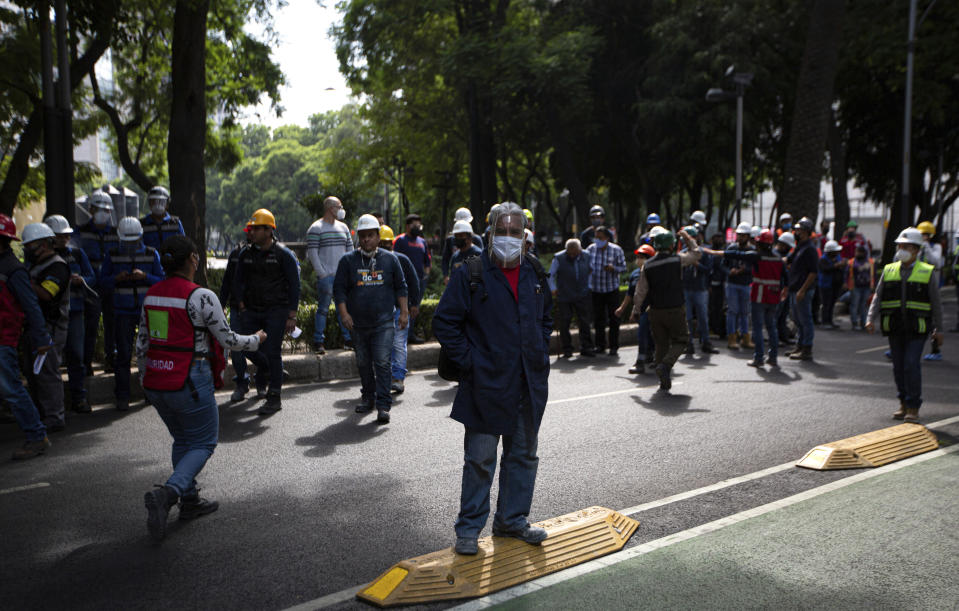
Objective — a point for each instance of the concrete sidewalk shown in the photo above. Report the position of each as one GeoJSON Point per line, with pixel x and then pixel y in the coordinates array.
{"type": "Point", "coordinates": [307, 367]}
{"type": "Point", "coordinates": [887, 542]}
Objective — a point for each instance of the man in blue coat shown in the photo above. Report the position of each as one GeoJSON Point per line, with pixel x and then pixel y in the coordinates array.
{"type": "Point", "coordinates": [498, 331]}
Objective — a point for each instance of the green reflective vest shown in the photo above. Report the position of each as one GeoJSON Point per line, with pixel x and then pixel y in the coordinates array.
{"type": "Point", "coordinates": [911, 317]}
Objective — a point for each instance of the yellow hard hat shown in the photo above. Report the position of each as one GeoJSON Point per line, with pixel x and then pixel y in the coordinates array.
{"type": "Point", "coordinates": [386, 233]}
{"type": "Point", "coordinates": [927, 228]}
{"type": "Point", "coordinates": [263, 217]}
{"type": "Point", "coordinates": [529, 214]}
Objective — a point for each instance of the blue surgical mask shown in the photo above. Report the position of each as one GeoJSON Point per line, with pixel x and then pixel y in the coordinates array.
{"type": "Point", "coordinates": [787, 226]}
{"type": "Point", "coordinates": [507, 249]}
{"type": "Point", "coordinates": [601, 243]}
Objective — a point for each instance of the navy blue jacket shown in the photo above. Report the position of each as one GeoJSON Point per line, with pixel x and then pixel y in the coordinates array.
{"type": "Point", "coordinates": [155, 233]}
{"type": "Point", "coordinates": [128, 295]}
{"type": "Point", "coordinates": [499, 342]}
{"type": "Point", "coordinates": [370, 286]}
{"type": "Point", "coordinates": [413, 294]}
{"type": "Point", "coordinates": [96, 243]}
{"type": "Point", "coordinates": [449, 249]}
{"type": "Point", "coordinates": [729, 263]}
{"type": "Point", "coordinates": [267, 279]}
{"type": "Point", "coordinates": [80, 265]}
{"type": "Point", "coordinates": [696, 277]}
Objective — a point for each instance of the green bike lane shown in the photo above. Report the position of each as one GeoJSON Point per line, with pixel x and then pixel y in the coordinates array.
{"type": "Point", "coordinates": [884, 538]}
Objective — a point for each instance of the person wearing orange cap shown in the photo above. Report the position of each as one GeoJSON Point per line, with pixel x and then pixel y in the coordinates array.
{"type": "Point", "coordinates": [19, 305]}
{"type": "Point", "coordinates": [267, 285]}
{"type": "Point", "coordinates": [229, 298]}
{"type": "Point", "coordinates": [644, 335]}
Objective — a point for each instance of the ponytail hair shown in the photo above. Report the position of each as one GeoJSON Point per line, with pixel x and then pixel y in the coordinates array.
{"type": "Point", "coordinates": [175, 252]}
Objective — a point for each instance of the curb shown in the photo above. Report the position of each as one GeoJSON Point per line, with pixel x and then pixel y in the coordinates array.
{"type": "Point", "coordinates": [309, 368]}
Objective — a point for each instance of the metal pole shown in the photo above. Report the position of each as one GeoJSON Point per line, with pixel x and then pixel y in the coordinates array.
{"type": "Point", "coordinates": [907, 119]}
{"type": "Point", "coordinates": [739, 152]}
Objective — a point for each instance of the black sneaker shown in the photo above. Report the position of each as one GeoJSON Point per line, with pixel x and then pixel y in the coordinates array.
{"type": "Point", "coordinates": [755, 363]}
{"type": "Point", "coordinates": [81, 407]}
{"type": "Point", "coordinates": [383, 416]}
{"type": "Point", "coordinates": [531, 534]}
{"type": "Point", "coordinates": [319, 348]}
{"type": "Point", "coordinates": [397, 386]}
{"type": "Point", "coordinates": [261, 390]}
{"type": "Point", "coordinates": [567, 354]}
{"type": "Point", "coordinates": [273, 404]}
{"type": "Point", "coordinates": [32, 449]}
{"type": "Point", "coordinates": [587, 352]}
{"type": "Point", "coordinates": [195, 507]}
{"type": "Point", "coordinates": [466, 546]}
{"type": "Point", "coordinates": [613, 352]}
{"type": "Point", "coordinates": [348, 344]}
{"type": "Point", "coordinates": [637, 368]}
{"type": "Point", "coordinates": [708, 348]}
{"type": "Point", "coordinates": [123, 405]}
{"type": "Point", "coordinates": [239, 393]}
{"type": "Point", "coordinates": [158, 503]}
{"type": "Point", "coordinates": [364, 407]}
{"type": "Point", "coordinates": [665, 383]}
{"type": "Point", "coordinates": [415, 340]}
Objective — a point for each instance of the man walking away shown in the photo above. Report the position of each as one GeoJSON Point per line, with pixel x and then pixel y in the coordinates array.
{"type": "Point", "coordinates": [662, 281]}
{"type": "Point", "coordinates": [569, 284]}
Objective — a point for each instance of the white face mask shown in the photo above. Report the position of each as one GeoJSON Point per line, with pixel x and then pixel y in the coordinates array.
{"type": "Point", "coordinates": [507, 249]}
{"type": "Point", "coordinates": [902, 255]}
{"type": "Point", "coordinates": [340, 214]}
{"type": "Point", "coordinates": [158, 208]}
{"type": "Point", "coordinates": [101, 217]}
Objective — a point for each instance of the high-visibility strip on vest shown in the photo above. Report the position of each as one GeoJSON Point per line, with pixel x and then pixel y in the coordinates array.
{"type": "Point", "coordinates": [767, 280]}
{"type": "Point", "coordinates": [171, 332]}
{"type": "Point", "coordinates": [63, 298]}
{"type": "Point", "coordinates": [909, 315]}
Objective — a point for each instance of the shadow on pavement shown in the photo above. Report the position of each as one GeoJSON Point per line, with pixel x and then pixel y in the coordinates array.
{"type": "Point", "coordinates": [349, 431]}
{"type": "Point", "coordinates": [239, 421]}
{"type": "Point", "coordinates": [668, 404]}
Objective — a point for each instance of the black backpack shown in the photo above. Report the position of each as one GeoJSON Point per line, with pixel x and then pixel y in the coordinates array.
{"type": "Point", "coordinates": [446, 368]}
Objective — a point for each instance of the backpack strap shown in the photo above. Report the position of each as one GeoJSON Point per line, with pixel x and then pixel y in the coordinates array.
{"type": "Point", "coordinates": [537, 267]}
{"type": "Point", "coordinates": [475, 266]}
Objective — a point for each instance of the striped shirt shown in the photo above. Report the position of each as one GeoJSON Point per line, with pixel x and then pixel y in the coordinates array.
{"type": "Point", "coordinates": [325, 244]}
{"type": "Point", "coordinates": [602, 280]}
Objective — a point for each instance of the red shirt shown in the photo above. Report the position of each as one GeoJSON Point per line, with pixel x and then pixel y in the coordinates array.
{"type": "Point", "coordinates": [512, 276]}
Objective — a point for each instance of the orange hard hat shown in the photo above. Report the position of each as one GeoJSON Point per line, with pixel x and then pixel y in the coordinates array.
{"type": "Point", "coordinates": [645, 249]}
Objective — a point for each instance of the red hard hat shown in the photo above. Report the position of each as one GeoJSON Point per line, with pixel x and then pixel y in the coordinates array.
{"type": "Point", "coordinates": [765, 237]}
{"type": "Point", "coordinates": [8, 228]}
{"type": "Point", "coordinates": [646, 249]}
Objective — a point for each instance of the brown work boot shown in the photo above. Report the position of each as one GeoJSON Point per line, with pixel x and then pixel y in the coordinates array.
{"type": "Point", "coordinates": [31, 449]}
{"type": "Point", "coordinates": [912, 415]}
{"type": "Point", "coordinates": [899, 415]}
{"type": "Point", "coordinates": [746, 341]}
{"type": "Point", "coordinates": [732, 341]}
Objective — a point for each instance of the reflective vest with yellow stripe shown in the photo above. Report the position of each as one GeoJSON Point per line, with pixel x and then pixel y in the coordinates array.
{"type": "Point", "coordinates": [918, 308]}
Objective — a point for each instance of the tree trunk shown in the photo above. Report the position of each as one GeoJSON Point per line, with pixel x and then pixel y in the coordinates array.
{"type": "Point", "coordinates": [840, 173]}
{"type": "Point", "coordinates": [567, 166]}
{"type": "Point", "coordinates": [188, 122]}
{"type": "Point", "coordinates": [482, 152]}
{"type": "Point", "coordinates": [810, 122]}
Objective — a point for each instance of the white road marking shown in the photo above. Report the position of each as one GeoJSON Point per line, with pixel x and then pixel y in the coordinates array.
{"type": "Point", "coordinates": [876, 349]}
{"type": "Point", "coordinates": [487, 601]}
{"type": "Point", "coordinates": [27, 487]}
{"type": "Point", "coordinates": [597, 396]}
{"type": "Point", "coordinates": [645, 548]}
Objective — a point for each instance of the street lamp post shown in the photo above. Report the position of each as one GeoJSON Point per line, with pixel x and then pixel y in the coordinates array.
{"type": "Point", "coordinates": [717, 94]}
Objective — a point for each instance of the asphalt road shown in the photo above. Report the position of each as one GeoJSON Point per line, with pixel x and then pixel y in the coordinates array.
{"type": "Point", "coordinates": [317, 500]}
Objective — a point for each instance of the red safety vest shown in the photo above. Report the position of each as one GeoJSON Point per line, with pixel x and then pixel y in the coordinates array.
{"type": "Point", "coordinates": [11, 313]}
{"type": "Point", "coordinates": [767, 280]}
{"type": "Point", "coordinates": [173, 337]}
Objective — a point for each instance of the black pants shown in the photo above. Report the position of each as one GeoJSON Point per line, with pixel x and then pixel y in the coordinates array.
{"type": "Point", "coordinates": [564, 316]}
{"type": "Point", "coordinates": [669, 333]}
{"type": "Point", "coordinates": [717, 299]}
{"type": "Point", "coordinates": [91, 327]}
{"type": "Point", "coordinates": [268, 358]}
{"type": "Point", "coordinates": [604, 306]}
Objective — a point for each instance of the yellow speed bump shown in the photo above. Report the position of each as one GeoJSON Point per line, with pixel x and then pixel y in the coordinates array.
{"type": "Point", "coordinates": [871, 449]}
{"type": "Point", "coordinates": [502, 562]}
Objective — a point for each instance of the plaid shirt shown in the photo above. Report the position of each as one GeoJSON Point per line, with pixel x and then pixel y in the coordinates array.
{"type": "Point", "coordinates": [602, 280]}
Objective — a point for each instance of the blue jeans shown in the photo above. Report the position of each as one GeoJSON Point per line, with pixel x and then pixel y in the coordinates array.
{"type": "Point", "coordinates": [324, 296]}
{"type": "Point", "coordinates": [268, 359]}
{"type": "Point", "coordinates": [192, 418]}
{"type": "Point", "coordinates": [907, 368]}
{"type": "Point", "coordinates": [517, 476]}
{"type": "Point", "coordinates": [644, 339]}
{"type": "Point", "coordinates": [73, 355]}
{"type": "Point", "coordinates": [237, 357]}
{"type": "Point", "coordinates": [398, 357]}
{"type": "Point", "coordinates": [765, 313]}
{"type": "Point", "coordinates": [697, 306]}
{"type": "Point", "coordinates": [126, 334]}
{"type": "Point", "coordinates": [16, 396]}
{"type": "Point", "coordinates": [802, 314]}
{"type": "Point", "coordinates": [737, 308]}
{"type": "Point", "coordinates": [859, 305]}
{"type": "Point", "coordinates": [373, 346]}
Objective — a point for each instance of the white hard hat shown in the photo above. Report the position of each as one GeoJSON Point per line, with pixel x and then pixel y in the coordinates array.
{"type": "Point", "coordinates": [744, 227]}
{"type": "Point", "coordinates": [698, 217]}
{"type": "Point", "coordinates": [462, 227]}
{"type": "Point", "coordinates": [367, 221]}
{"type": "Point", "coordinates": [832, 246]}
{"type": "Point", "coordinates": [754, 231]}
{"type": "Point", "coordinates": [785, 215]}
{"type": "Point", "coordinates": [788, 238]}
{"type": "Point", "coordinates": [909, 235]}
{"type": "Point", "coordinates": [655, 231]}
{"type": "Point", "coordinates": [36, 231]}
{"type": "Point", "coordinates": [463, 214]}
{"type": "Point", "coordinates": [129, 229]}
{"type": "Point", "coordinates": [99, 199]}
{"type": "Point", "coordinates": [58, 223]}
{"type": "Point", "coordinates": [529, 236]}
